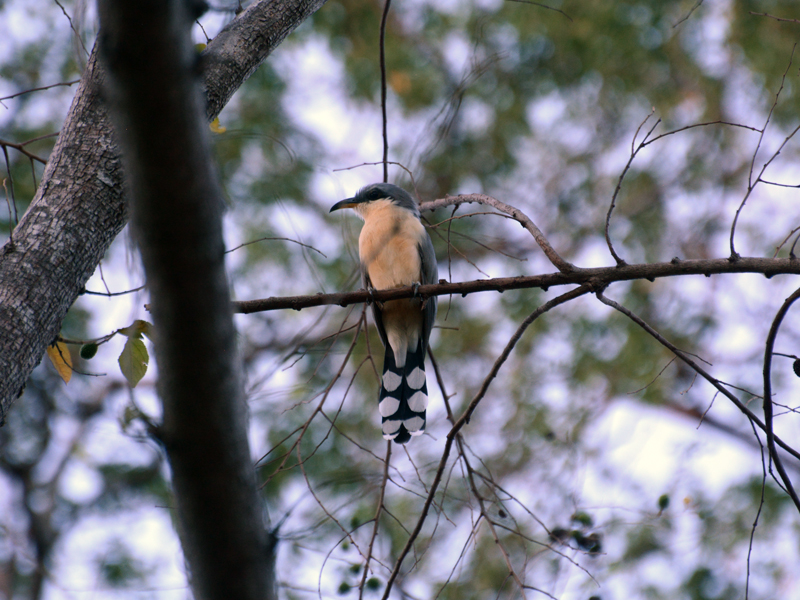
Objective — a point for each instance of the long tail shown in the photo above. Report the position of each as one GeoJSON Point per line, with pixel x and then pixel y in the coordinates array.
{"type": "Point", "coordinates": [404, 396]}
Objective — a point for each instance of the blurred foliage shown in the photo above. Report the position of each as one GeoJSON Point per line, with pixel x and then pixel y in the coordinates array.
{"type": "Point", "coordinates": [538, 108]}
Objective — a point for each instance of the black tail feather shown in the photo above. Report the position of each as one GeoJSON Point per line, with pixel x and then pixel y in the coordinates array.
{"type": "Point", "coordinates": [404, 396]}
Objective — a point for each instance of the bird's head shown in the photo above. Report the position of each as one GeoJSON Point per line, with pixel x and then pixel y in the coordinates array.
{"type": "Point", "coordinates": [369, 196]}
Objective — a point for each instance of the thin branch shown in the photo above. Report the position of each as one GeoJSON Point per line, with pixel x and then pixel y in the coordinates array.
{"type": "Point", "coordinates": [8, 186]}
{"type": "Point", "coordinates": [758, 516]}
{"type": "Point", "coordinates": [689, 14]}
{"type": "Point", "coordinates": [750, 183]}
{"type": "Point", "coordinates": [39, 89]}
{"type": "Point", "coordinates": [700, 370]}
{"type": "Point", "coordinates": [774, 17]}
{"type": "Point", "coordinates": [451, 245]}
{"type": "Point", "coordinates": [781, 245]}
{"type": "Point", "coordinates": [110, 294]}
{"type": "Point", "coordinates": [384, 120]}
{"type": "Point", "coordinates": [661, 372]}
{"type": "Point", "coordinates": [783, 185]}
{"type": "Point", "coordinates": [21, 148]}
{"type": "Point", "coordinates": [72, 26]}
{"type": "Point", "coordinates": [540, 5]}
{"type": "Point", "coordinates": [317, 410]}
{"type": "Point", "coordinates": [523, 219]}
{"type": "Point", "coordinates": [634, 152]}
{"type": "Point", "coordinates": [696, 125]}
{"type": "Point", "coordinates": [464, 419]}
{"type": "Point", "coordinates": [376, 519]}
{"type": "Point", "coordinates": [264, 239]}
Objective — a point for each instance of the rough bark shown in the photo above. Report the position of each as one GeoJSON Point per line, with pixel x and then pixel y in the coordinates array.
{"type": "Point", "coordinates": [155, 102]}
{"type": "Point", "coordinates": [79, 207]}
{"type": "Point", "coordinates": [77, 212]}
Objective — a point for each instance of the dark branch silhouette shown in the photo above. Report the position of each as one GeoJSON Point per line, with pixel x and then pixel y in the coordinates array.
{"type": "Point", "coordinates": [769, 267]}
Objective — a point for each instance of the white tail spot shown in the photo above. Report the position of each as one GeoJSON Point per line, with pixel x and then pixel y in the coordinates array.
{"type": "Point", "coordinates": [391, 381]}
{"type": "Point", "coordinates": [388, 406]}
{"type": "Point", "coordinates": [416, 379]}
{"type": "Point", "coordinates": [415, 425]}
{"type": "Point", "coordinates": [390, 429]}
{"type": "Point", "coordinates": [418, 402]}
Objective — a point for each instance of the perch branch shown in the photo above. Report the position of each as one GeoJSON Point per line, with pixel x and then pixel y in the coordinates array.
{"type": "Point", "coordinates": [769, 267]}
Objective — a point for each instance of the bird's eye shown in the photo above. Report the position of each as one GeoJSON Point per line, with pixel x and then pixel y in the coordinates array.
{"type": "Point", "coordinates": [375, 194]}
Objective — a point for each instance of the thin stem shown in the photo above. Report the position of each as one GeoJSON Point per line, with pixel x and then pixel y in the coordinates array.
{"type": "Point", "coordinates": [465, 417]}
{"type": "Point", "coordinates": [382, 42]}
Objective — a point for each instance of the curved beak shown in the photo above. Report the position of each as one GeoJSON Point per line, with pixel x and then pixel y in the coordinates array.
{"type": "Point", "coordinates": [346, 203]}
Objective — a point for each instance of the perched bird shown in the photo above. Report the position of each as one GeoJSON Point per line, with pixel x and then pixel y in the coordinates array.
{"type": "Point", "coordinates": [396, 251]}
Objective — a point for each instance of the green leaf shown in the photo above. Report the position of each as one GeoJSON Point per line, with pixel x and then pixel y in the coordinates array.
{"type": "Point", "coordinates": [133, 360]}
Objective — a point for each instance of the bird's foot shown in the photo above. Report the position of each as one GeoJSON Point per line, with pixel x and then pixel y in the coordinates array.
{"type": "Point", "coordinates": [415, 287]}
{"type": "Point", "coordinates": [370, 292]}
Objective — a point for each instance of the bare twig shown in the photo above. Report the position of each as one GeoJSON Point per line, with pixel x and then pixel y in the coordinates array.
{"type": "Point", "coordinates": [317, 410]}
{"type": "Point", "coordinates": [264, 239]}
{"type": "Point", "coordinates": [376, 518]}
{"type": "Point", "coordinates": [774, 17]}
{"type": "Point", "coordinates": [384, 119]}
{"type": "Point", "coordinates": [523, 219]}
{"type": "Point", "coordinates": [21, 148]}
{"type": "Point", "coordinates": [8, 186]}
{"type": "Point", "coordinates": [750, 183]}
{"type": "Point", "coordinates": [700, 370]}
{"type": "Point", "coordinates": [72, 26]}
{"type": "Point", "coordinates": [110, 294]}
{"type": "Point", "coordinates": [539, 4]}
{"type": "Point", "coordinates": [464, 419]}
{"type": "Point", "coordinates": [695, 126]}
{"type": "Point", "coordinates": [786, 239]}
{"type": "Point", "coordinates": [39, 89]}
{"type": "Point", "coordinates": [689, 14]}
{"type": "Point", "coordinates": [634, 151]}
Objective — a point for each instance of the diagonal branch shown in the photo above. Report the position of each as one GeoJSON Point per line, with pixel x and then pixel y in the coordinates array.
{"type": "Point", "coordinates": [465, 417]}
{"type": "Point", "coordinates": [700, 370]}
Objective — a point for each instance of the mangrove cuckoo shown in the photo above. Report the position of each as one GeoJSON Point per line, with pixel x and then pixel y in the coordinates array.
{"type": "Point", "coordinates": [396, 251]}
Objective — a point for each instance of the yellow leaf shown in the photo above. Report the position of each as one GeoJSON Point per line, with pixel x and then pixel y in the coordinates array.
{"type": "Point", "coordinates": [133, 360]}
{"type": "Point", "coordinates": [216, 127]}
{"type": "Point", "coordinates": [60, 357]}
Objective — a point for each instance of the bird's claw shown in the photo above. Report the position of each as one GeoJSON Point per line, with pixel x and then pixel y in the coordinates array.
{"type": "Point", "coordinates": [415, 287]}
{"type": "Point", "coordinates": [371, 300]}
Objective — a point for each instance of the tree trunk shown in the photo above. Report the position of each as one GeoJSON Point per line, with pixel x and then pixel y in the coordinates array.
{"type": "Point", "coordinates": [176, 205]}
{"type": "Point", "coordinates": [80, 208]}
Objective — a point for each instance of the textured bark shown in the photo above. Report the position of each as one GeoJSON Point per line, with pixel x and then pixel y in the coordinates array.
{"type": "Point", "coordinates": [77, 212]}
{"type": "Point", "coordinates": [79, 207]}
{"type": "Point", "coordinates": [176, 205]}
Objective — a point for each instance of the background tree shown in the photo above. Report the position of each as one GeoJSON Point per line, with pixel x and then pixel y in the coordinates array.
{"type": "Point", "coordinates": [581, 472]}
